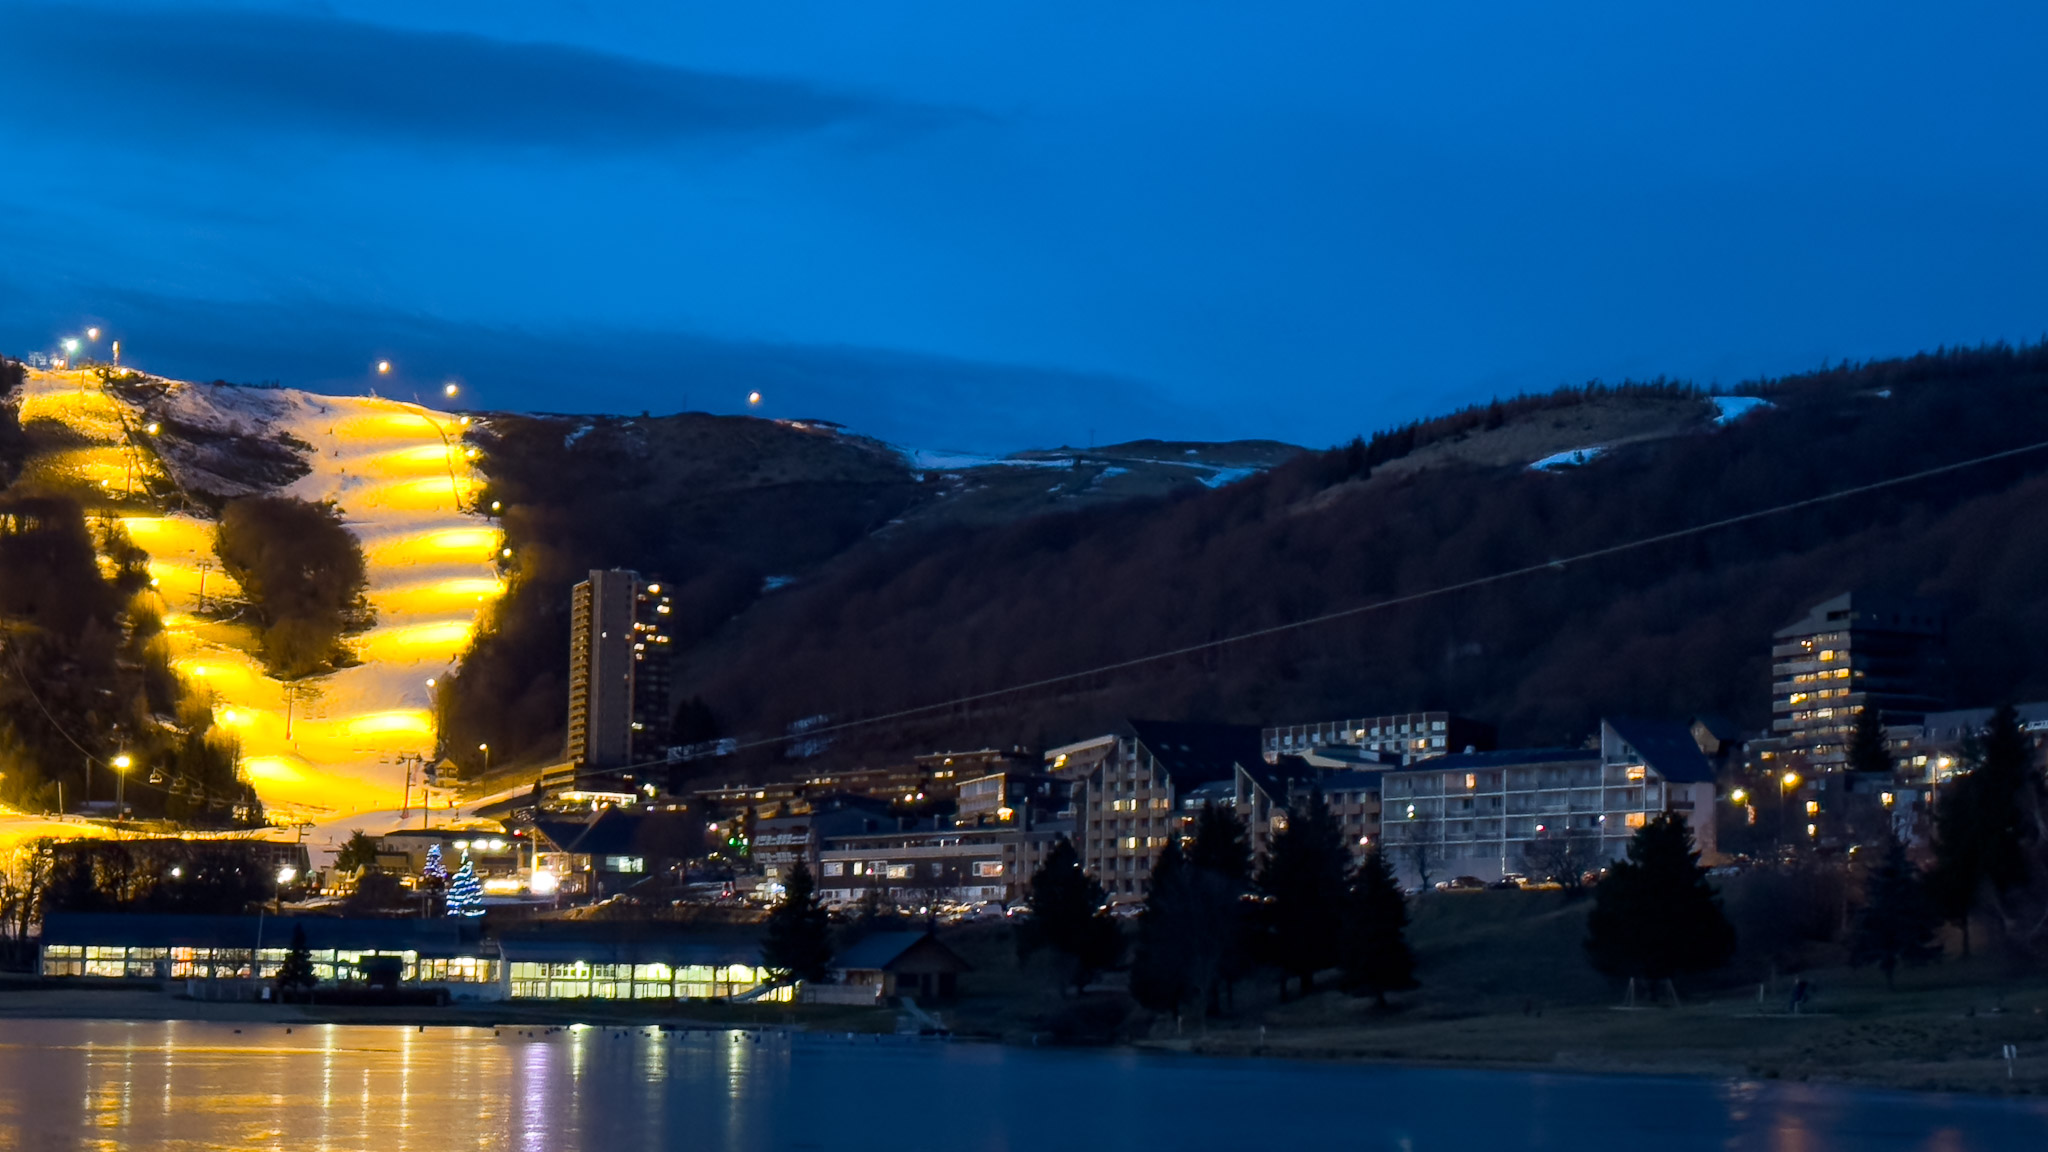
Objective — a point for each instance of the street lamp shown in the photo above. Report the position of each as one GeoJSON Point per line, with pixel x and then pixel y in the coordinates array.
{"type": "Point", "coordinates": [449, 390]}
{"type": "Point", "coordinates": [486, 750]}
{"type": "Point", "coordinates": [1786, 784]}
{"type": "Point", "coordinates": [121, 765]}
{"type": "Point", "coordinates": [383, 367]}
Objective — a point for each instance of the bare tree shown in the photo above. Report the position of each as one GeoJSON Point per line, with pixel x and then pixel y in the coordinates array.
{"type": "Point", "coordinates": [24, 879]}
{"type": "Point", "coordinates": [1562, 857]}
{"type": "Point", "coordinates": [1424, 847]}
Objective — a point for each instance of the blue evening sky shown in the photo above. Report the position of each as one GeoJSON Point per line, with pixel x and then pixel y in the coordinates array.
{"type": "Point", "coordinates": [997, 224]}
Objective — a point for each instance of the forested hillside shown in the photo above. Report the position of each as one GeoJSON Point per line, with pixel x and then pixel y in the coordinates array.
{"type": "Point", "coordinates": [1673, 630]}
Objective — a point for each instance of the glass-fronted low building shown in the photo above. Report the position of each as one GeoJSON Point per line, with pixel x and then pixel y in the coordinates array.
{"type": "Point", "coordinates": [571, 962]}
{"type": "Point", "coordinates": [575, 966]}
{"type": "Point", "coordinates": [343, 951]}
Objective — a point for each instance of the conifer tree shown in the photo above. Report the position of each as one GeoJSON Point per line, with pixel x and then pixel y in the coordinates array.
{"type": "Point", "coordinates": [433, 873]}
{"type": "Point", "coordinates": [297, 973]}
{"type": "Point", "coordinates": [1221, 844]}
{"type": "Point", "coordinates": [1220, 859]}
{"type": "Point", "coordinates": [1654, 915]}
{"type": "Point", "coordinates": [465, 893]}
{"type": "Point", "coordinates": [1980, 836]}
{"type": "Point", "coordinates": [357, 853]}
{"type": "Point", "coordinates": [1373, 951]}
{"type": "Point", "coordinates": [1162, 976]}
{"type": "Point", "coordinates": [1867, 750]}
{"type": "Point", "coordinates": [1070, 915]}
{"type": "Point", "coordinates": [1896, 923]}
{"type": "Point", "coordinates": [798, 943]}
{"type": "Point", "coordinates": [1304, 877]}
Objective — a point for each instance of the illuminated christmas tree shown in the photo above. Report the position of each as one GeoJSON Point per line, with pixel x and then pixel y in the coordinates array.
{"type": "Point", "coordinates": [434, 874]}
{"type": "Point", "coordinates": [465, 894]}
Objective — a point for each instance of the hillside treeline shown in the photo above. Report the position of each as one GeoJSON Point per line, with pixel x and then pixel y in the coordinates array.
{"type": "Point", "coordinates": [85, 677]}
{"type": "Point", "coordinates": [1673, 630]}
{"type": "Point", "coordinates": [711, 506]}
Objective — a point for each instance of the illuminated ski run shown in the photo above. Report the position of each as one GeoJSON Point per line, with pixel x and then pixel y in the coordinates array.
{"type": "Point", "coordinates": [333, 745]}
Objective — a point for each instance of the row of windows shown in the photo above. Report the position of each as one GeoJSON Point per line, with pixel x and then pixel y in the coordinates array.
{"type": "Point", "coordinates": [343, 965]}
{"type": "Point", "coordinates": [887, 871]}
{"type": "Point", "coordinates": [1513, 780]}
{"type": "Point", "coordinates": [1516, 828]}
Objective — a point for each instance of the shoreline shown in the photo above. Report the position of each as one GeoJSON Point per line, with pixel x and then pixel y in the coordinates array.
{"type": "Point", "coordinates": [1959, 1075]}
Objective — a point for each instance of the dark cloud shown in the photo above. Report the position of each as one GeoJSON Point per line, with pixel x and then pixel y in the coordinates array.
{"type": "Point", "coordinates": [907, 398]}
{"type": "Point", "coordinates": [211, 70]}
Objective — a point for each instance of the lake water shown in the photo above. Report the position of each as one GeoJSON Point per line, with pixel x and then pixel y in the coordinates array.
{"type": "Point", "coordinates": [78, 1084]}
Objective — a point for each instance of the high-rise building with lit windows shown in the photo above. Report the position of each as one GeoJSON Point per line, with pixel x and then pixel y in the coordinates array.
{"type": "Point", "coordinates": [618, 671]}
{"type": "Point", "coordinates": [1853, 652]}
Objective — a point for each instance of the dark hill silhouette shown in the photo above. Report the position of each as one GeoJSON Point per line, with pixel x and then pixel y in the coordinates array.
{"type": "Point", "coordinates": [1674, 630]}
{"type": "Point", "coordinates": [887, 616]}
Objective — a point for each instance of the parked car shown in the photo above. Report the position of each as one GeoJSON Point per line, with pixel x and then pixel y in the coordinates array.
{"type": "Point", "coordinates": [1462, 884]}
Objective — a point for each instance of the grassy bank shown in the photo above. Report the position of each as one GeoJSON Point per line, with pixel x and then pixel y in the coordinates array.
{"type": "Point", "coordinates": [1506, 984]}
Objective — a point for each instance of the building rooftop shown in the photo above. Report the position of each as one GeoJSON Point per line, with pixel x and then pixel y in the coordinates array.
{"type": "Point", "coordinates": [1502, 758]}
{"type": "Point", "coordinates": [883, 950]}
{"type": "Point", "coordinates": [1665, 746]}
{"type": "Point", "coordinates": [1863, 610]}
{"type": "Point", "coordinates": [1961, 722]}
{"type": "Point", "coordinates": [1349, 781]}
{"type": "Point", "coordinates": [609, 832]}
{"type": "Point", "coordinates": [440, 936]}
{"type": "Point", "coordinates": [1195, 754]}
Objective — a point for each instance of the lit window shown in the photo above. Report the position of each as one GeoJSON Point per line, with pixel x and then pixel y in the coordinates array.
{"type": "Point", "coordinates": [986, 868]}
{"type": "Point", "coordinates": [834, 867]}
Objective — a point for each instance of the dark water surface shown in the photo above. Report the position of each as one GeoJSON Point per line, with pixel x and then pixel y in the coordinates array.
{"type": "Point", "coordinates": [79, 1084]}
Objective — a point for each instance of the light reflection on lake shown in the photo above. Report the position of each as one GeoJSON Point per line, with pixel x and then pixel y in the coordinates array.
{"type": "Point", "coordinates": [188, 1085]}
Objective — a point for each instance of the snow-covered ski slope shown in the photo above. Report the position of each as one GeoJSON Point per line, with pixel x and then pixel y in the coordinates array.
{"type": "Point", "coordinates": [330, 745]}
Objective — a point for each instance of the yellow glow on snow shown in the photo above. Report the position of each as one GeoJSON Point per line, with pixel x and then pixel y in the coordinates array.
{"type": "Point", "coordinates": [330, 745]}
{"type": "Point", "coordinates": [412, 723]}
{"type": "Point", "coordinates": [398, 643]}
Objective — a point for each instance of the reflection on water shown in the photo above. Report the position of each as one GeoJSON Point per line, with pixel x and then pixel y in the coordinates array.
{"type": "Point", "coordinates": [187, 1085]}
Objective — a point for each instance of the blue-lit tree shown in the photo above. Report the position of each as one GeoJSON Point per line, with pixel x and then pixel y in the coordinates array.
{"type": "Point", "coordinates": [465, 893]}
{"type": "Point", "coordinates": [434, 873]}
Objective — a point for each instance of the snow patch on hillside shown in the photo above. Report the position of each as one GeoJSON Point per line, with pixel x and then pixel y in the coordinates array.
{"type": "Point", "coordinates": [1222, 476]}
{"type": "Point", "coordinates": [928, 461]}
{"type": "Point", "coordinates": [1569, 458]}
{"type": "Point", "coordinates": [1733, 408]}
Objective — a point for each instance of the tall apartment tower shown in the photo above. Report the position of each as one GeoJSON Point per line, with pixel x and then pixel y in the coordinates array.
{"type": "Point", "coordinates": [618, 671]}
{"type": "Point", "coordinates": [1853, 652]}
